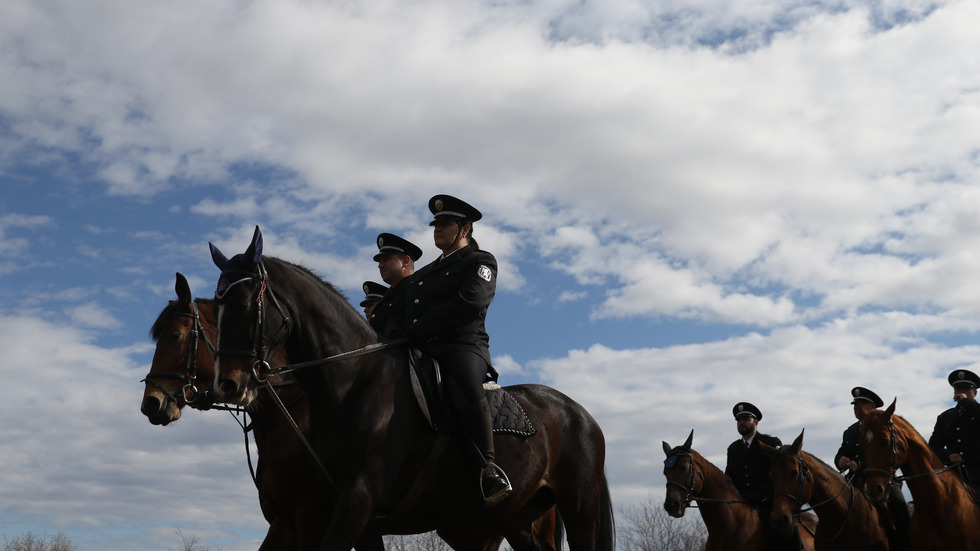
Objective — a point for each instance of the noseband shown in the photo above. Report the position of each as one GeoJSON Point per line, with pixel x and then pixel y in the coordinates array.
{"type": "Point", "coordinates": [189, 392]}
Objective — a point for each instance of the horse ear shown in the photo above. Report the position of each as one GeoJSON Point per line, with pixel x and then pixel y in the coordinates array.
{"type": "Point", "coordinates": [666, 448]}
{"type": "Point", "coordinates": [690, 439]}
{"type": "Point", "coordinates": [219, 259]}
{"type": "Point", "coordinates": [891, 408]}
{"type": "Point", "coordinates": [254, 250]}
{"type": "Point", "coordinates": [183, 289]}
{"type": "Point", "coordinates": [798, 443]}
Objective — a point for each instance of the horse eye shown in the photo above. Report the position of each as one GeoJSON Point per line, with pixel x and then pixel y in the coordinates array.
{"type": "Point", "coordinates": [174, 336]}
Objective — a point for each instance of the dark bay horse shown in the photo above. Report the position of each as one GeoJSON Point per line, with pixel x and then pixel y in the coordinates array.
{"type": "Point", "coordinates": [291, 493]}
{"type": "Point", "coordinates": [946, 516]}
{"type": "Point", "coordinates": [380, 454]}
{"type": "Point", "coordinates": [848, 520]}
{"type": "Point", "coordinates": [733, 524]}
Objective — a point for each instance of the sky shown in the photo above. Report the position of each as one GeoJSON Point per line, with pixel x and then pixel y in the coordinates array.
{"type": "Point", "coordinates": [692, 204]}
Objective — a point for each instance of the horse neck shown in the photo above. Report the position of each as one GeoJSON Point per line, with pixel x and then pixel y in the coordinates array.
{"type": "Point", "coordinates": [716, 485]}
{"type": "Point", "coordinates": [933, 492]}
{"type": "Point", "coordinates": [828, 489]}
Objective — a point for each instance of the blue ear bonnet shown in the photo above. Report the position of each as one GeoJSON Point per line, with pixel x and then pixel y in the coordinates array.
{"type": "Point", "coordinates": [670, 461]}
{"type": "Point", "coordinates": [679, 451]}
{"type": "Point", "coordinates": [240, 269]}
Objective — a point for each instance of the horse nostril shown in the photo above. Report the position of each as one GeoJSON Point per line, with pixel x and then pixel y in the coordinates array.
{"type": "Point", "coordinates": [151, 405]}
{"type": "Point", "coordinates": [227, 388]}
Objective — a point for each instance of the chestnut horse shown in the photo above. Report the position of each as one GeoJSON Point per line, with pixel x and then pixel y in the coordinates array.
{"type": "Point", "coordinates": [946, 517]}
{"type": "Point", "coordinates": [733, 524]}
{"type": "Point", "coordinates": [848, 520]}
{"type": "Point", "coordinates": [290, 492]}
{"type": "Point", "coordinates": [380, 454]}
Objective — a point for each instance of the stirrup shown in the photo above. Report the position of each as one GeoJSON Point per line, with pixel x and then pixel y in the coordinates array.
{"type": "Point", "coordinates": [495, 471]}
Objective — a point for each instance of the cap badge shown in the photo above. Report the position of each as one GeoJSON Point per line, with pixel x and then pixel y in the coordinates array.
{"type": "Point", "coordinates": [961, 375]}
{"type": "Point", "coordinates": [438, 204]}
{"type": "Point", "coordinates": [741, 407]}
{"type": "Point", "coordinates": [366, 288]}
{"type": "Point", "coordinates": [855, 392]}
{"type": "Point", "coordinates": [381, 242]}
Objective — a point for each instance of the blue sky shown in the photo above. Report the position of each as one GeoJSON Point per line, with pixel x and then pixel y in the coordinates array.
{"type": "Point", "coordinates": [692, 204]}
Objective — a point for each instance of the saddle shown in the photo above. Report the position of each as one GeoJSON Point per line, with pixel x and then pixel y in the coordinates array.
{"type": "Point", "coordinates": [507, 414]}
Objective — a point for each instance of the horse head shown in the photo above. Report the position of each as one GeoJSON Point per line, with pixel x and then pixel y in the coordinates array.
{"type": "Point", "coordinates": [682, 480]}
{"type": "Point", "coordinates": [179, 359]}
{"type": "Point", "coordinates": [885, 451]}
{"type": "Point", "coordinates": [248, 333]}
{"type": "Point", "coordinates": [791, 480]}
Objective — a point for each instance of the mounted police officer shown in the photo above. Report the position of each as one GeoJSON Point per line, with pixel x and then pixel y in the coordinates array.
{"type": "Point", "coordinates": [447, 303]}
{"type": "Point", "coordinates": [956, 437]}
{"type": "Point", "coordinates": [748, 465]}
{"type": "Point", "coordinates": [748, 468]}
{"type": "Point", "coordinates": [396, 263]}
{"type": "Point", "coordinates": [372, 296]}
{"type": "Point", "coordinates": [850, 462]}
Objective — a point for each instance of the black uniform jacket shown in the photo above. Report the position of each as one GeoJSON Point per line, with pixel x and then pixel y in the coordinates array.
{"type": "Point", "coordinates": [446, 303]}
{"type": "Point", "coordinates": [958, 431]}
{"type": "Point", "coordinates": [388, 318]}
{"type": "Point", "coordinates": [749, 469]}
{"type": "Point", "coordinates": [850, 448]}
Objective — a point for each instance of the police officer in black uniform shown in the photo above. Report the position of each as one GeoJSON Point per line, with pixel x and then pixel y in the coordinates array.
{"type": "Point", "coordinates": [850, 462]}
{"type": "Point", "coordinates": [956, 437]}
{"type": "Point", "coordinates": [446, 303]}
{"type": "Point", "coordinates": [396, 263]}
{"type": "Point", "coordinates": [748, 465]}
{"type": "Point", "coordinates": [373, 292]}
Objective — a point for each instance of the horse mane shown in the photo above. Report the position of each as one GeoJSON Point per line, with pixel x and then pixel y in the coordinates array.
{"type": "Point", "coordinates": [160, 325]}
{"type": "Point", "coordinates": [329, 291]}
{"type": "Point", "coordinates": [713, 475]}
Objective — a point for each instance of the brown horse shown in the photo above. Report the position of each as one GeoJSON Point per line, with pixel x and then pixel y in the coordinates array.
{"type": "Point", "coordinates": [946, 517]}
{"type": "Point", "coordinates": [733, 524]}
{"type": "Point", "coordinates": [381, 455]}
{"type": "Point", "coordinates": [848, 520]}
{"type": "Point", "coordinates": [290, 490]}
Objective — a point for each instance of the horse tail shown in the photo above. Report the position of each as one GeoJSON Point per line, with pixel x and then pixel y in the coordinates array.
{"type": "Point", "coordinates": [605, 533]}
{"type": "Point", "coordinates": [559, 532]}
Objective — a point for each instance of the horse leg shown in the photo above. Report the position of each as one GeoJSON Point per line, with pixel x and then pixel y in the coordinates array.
{"type": "Point", "coordinates": [471, 538]}
{"type": "Point", "coordinates": [589, 512]}
{"type": "Point", "coordinates": [280, 536]}
{"type": "Point", "coordinates": [349, 520]}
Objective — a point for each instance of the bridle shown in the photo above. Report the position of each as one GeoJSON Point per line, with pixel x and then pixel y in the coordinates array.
{"type": "Point", "coordinates": [189, 392]}
{"type": "Point", "coordinates": [260, 351]}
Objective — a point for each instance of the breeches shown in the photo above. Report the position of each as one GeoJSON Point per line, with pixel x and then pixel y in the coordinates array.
{"type": "Point", "coordinates": [463, 374]}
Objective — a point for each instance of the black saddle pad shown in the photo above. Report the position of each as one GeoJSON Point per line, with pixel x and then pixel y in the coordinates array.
{"type": "Point", "coordinates": [507, 414]}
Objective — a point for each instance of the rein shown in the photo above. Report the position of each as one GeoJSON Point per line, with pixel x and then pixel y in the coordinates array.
{"type": "Point", "coordinates": [892, 473]}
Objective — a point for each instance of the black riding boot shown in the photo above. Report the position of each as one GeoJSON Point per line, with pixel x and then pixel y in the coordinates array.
{"type": "Point", "coordinates": [476, 423]}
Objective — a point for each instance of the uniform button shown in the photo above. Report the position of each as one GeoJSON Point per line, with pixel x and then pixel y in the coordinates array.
{"type": "Point", "coordinates": [420, 283]}
{"type": "Point", "coordinates": [414, 320]}
{"type": "Point", "coordinates": [416, 301]}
